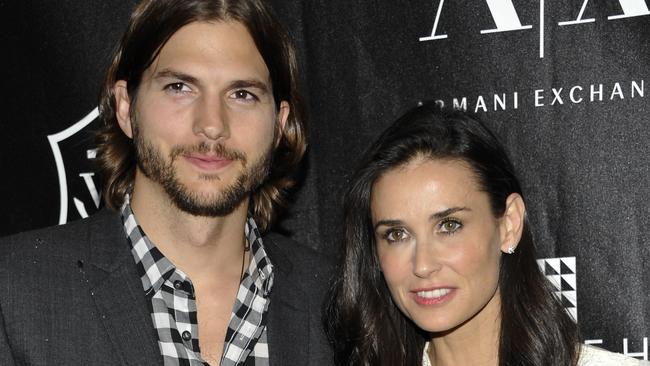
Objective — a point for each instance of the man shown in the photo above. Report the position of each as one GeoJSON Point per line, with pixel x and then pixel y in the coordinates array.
{"type": "Point", "coordinates": [202, 126]}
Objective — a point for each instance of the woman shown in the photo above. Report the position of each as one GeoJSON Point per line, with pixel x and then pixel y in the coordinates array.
{"type": "Point", "coordinates": [439, 267]}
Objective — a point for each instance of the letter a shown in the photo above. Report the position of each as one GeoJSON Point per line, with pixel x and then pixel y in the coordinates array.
{"type": "Point", "coordinates": [433, 35]}
{"type": "Point", "coordinates": [579, 20]}
{"type": "Point", "coordinates": [505, 17]}
{"type": "Point", "coordinates": [632, 8]}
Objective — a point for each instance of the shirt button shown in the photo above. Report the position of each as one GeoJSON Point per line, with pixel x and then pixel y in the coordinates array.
{"type": "Point", "coordinates": [178, 285]}
{"type": "Point", "coordinates": [187, 336]}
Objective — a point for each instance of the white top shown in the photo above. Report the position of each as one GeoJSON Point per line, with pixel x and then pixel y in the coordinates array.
{"type": "Point", "coordinates": [593, 356]}
{"type": "Point", "coordinates": [589, 356]}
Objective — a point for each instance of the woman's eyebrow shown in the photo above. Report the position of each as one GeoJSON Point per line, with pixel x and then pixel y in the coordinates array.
{"type": "Point", "coordinates": [388, 222]}
{"type": "Point", "coordinates": [435, 216]}
{"type": "Point", "coordinates": [446, 212]}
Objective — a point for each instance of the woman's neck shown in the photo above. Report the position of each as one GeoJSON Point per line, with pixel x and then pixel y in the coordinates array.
{"type": "Point", "coordinates": [475, 342]}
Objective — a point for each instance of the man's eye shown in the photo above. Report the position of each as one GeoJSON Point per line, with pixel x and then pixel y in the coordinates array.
{"type": "Point", "coordinates": [244, 95]}
{"type": "Point", "coordinates": [178, 88]}
{"type": "Point", "coordinates": [450, 226]}
{"type": "Point", "coordinates": [393, 236]}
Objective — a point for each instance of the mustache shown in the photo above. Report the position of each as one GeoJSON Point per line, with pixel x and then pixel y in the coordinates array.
{"type": "Point", "coordinates": [217, 149]}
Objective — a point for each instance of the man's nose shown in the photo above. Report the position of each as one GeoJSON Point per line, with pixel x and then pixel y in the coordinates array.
{"type": "Point", "coordinates": [211, 119]}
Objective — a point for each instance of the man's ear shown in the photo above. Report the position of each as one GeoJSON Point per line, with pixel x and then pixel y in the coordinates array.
{"type": "Point", "coordinates": [123, 107]}
{"type": "Point", "coordinates": [283, 116]}
{"type": "Point", "coordinates": [512, 223]}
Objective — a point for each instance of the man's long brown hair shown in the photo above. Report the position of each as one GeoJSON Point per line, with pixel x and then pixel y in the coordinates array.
{"type": "Point", "coordinates": [151, 25]}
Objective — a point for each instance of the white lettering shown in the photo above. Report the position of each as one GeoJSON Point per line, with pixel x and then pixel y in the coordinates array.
{"type": "Point", "coordinates": [617, 91]}
{"type": "Point", "coordinates": [90, 184]}
{"type": "Point", "coordinates": [556, 96]}
{"type": "Point", "coordinates": [440, 103]}
{"type": "Point", "coordinates": [541, 28]}
{"type": "Point", "coordinates": [594, 341]}
{"type": "Point", "coordinates": [599, 92]}
{"type": "Point", "coordinates": [643, 354]}
{"type": "Point", "coordinates": [462, 105]}
{"type": "Point", "coordinates": [480, 103]}
{"type": "Point", "coordinates": [539, 97]}
{"type": "Point", "coordinates": [631, 8]}
{"type": "Point", "coordinates": [635, 87]}
{"type": "Point", "coordinates": [433, 35]}
{"type": "Point", "coordinates": [505, 17]}
{"type": "Point", "coordinates": [92, 189]}
{"type": "Point", "coordinates": [516, 99]}
{"type": "Point", "coordinates": [572, 96]}
{"type": "Point", "coordinates": [81, 208]}
{"type": "Point", "coordinates": [579, 19]}
{"type": "Point", "coordinates": [500, 101]}
{"type": "Point", "coordinates": [551, 96]}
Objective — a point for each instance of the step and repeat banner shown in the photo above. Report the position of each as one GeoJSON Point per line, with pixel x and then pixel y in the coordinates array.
{"type": "Point", "coordinates": [565, 84]}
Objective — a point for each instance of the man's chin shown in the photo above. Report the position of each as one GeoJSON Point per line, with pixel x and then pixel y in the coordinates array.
{"type": "Point", "coordinates": [207, 202]}
{"type": "Point", "coordinates": [208, 208]}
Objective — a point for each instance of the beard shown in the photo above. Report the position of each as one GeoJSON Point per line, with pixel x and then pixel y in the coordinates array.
{"type": "Point", "coordinates": [153, 165]}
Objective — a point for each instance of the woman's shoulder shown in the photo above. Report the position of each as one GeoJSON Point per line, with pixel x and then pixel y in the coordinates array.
{"type": "Point", "coordinates": [594, 356]}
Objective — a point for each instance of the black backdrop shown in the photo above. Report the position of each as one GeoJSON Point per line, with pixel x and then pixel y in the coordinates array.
{"type": "Point", "coordinates": [564, 83]}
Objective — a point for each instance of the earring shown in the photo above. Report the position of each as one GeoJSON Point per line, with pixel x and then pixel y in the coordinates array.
{"type": "Point", "coordinates": [511, 249]}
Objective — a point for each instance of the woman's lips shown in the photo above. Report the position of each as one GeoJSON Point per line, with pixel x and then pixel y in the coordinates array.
{"type": "Point", "coordinates": [433, 296]}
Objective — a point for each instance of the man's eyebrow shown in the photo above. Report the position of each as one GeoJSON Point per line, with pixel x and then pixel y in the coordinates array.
{"type": "Point", "coordinates": [236, 84]}
{"type": "Point", "coordinates": [250, 83]}
{"type": "Point", "coordinates": [168, 73]}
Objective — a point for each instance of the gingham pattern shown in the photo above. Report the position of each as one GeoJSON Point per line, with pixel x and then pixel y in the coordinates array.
{"type": "Point", "coordinates": [173, 302]}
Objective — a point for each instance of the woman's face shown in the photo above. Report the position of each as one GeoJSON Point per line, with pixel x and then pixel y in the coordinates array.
{"type": "Point", "coordinates": [438, 243]}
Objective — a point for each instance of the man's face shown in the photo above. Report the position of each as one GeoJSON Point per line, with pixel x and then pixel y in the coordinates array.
{"type": "Point", "coordinates": [205, 122]}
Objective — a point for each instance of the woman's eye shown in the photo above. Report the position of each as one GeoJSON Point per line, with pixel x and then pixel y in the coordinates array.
{"type": "Point", "coordinates": [396, 235]}
{"type": "Point", "coordinates": [178, 88]}
{"type": "Point", "coordinates": [450, 226]}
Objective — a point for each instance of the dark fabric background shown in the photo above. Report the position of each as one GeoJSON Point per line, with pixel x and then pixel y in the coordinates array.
{"type": "Point", "coordinates": [584, 166]}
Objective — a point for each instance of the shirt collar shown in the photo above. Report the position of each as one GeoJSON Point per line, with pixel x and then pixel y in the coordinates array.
{"type": "Point", "coordinates": [260, 268]}
{"type": "Point", "coordinates": [154, 268]}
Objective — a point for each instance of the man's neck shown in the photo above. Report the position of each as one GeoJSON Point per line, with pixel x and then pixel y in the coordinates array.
{"type": "Point", "coordinates": [202, 247]}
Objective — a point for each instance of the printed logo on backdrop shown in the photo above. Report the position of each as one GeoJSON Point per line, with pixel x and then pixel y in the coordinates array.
{"type": "Point", "coordinates": [561, 272]}
{"type": "Point", "coordinates": [505, 16]}
{"type": "Point", "coordinates": [503, 13]}
{"type": "Point", "coordinates": [73, 153]}
{"type": "Point", "coordinates": [549, 97]}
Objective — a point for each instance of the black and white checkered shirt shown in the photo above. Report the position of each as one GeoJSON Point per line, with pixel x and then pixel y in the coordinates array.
{"type": "Point", "coordinates": [173, 302]}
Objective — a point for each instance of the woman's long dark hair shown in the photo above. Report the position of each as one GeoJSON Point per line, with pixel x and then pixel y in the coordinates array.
{"type": "Point", "coordinates": [362, 322]}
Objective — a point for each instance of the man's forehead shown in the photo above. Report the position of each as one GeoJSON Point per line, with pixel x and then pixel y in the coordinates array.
{"type": "Point", "coordinates": [212, 46]}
